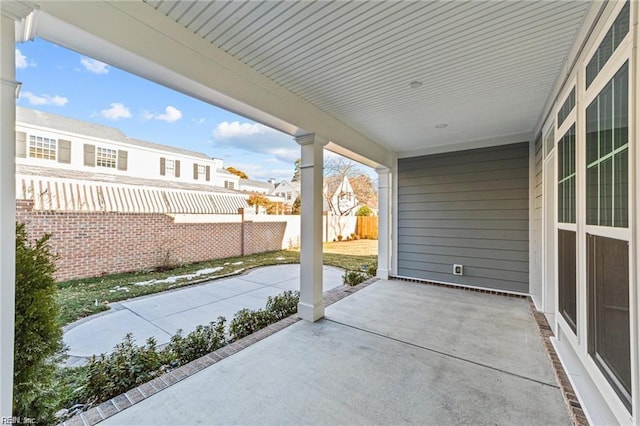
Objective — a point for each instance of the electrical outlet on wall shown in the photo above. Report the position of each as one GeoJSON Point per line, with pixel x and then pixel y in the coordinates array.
{"type": "Point", "coordinates": [458, 270]}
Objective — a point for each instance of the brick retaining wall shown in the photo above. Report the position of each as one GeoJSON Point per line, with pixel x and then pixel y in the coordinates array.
{"type": "Point", "coordinates": [93, 244]}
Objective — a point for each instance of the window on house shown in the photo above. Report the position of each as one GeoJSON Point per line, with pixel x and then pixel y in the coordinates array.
{"type": "Point", "coordinates": [567, 177]}
{"type": "Point", "coordinates": [229, 184]}
{"type": "Point", "coordinates": [106, 157]}
{"type": "Point", "coordinates": [170, 167]}
{"type": "Point", "coordinates": [608, 154]}
{"type": "Point", "coordinates": [41, 147]}
{"type": "Point", "coordinates": [567, 107]}
{"type": "Point", "coordinates": [567, 297]}
{"type": "Point", "coordinates": [549, 141]}
{"type": "Point", "coordinates": [608, 313]}
{"type": "Point", "coordinates": [611, 41]}
{"type": "Point", "coordinates": [288, 196]}
{"type": "Point", "coordinates": [201, 171]}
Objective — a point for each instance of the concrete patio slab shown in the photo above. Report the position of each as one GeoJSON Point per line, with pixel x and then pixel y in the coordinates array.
{"type": "Point", "coordinates": [502, 326]}
{"type": "Point", "coordinates": [335, 371]}
{"type": "Point", "coordinates": [160, 315]}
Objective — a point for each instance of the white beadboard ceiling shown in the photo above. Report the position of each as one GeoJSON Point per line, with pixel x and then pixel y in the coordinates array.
{"type": "Point", "coordinates": [486, 67]}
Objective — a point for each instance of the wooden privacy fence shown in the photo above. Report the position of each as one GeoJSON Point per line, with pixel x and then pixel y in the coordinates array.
{"type": "Point", "coordinates": [367, 227]}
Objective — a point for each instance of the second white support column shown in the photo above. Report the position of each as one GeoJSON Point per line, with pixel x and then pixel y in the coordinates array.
{"type": "Point", "coordinates": [384, 222]}
{"type": "Point", "coordinates": [311, 305]}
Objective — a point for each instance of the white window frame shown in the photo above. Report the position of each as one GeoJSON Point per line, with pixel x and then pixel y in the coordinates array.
{"type": "Point", "coordinates": [202, 171]}
{"type": "Point", "coordinates": [46, 146]}
{"type": "Point", "coordinates": [106, 157]}
{"type": "Point", "coordinates": [170, 167]}
{"type": "Point", "coordinates": [584, 97]}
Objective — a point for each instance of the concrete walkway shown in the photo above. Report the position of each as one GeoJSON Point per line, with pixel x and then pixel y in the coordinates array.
{"type": "Point", "coordinates": [394, 352]}
{"type": "Point", "coordinates": [161, 315]}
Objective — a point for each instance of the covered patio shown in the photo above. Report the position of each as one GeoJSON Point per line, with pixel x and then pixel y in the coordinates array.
{"type": "Point", "coordinates": [394, 352]}
{"type": "Point", "coordinates": [504, 136]}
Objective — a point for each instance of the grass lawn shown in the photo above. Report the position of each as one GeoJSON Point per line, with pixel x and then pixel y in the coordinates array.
{"type": "Point", "coordinates": [83, 297]}
{"type": "Point", "coordinates": [354, 247]}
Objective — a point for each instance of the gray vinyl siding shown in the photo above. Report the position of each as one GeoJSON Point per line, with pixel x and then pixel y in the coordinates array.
{"type": "Point", "coordinates": [470, 208]}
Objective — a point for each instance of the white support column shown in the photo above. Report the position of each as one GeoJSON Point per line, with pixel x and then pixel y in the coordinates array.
{"type": "Point", "coordinates": [384, 222]}
{"type": "Point", "coordinates": [8, 87]}
{"type": "Point", "coordinates": [311, 306]}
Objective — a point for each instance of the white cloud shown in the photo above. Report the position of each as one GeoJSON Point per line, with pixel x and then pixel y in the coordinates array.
{"type": "Point", "coordinates": [116, 112]}
{"type": "Point", "coordinates": [146, 115]}
{"type": "Point", "coordinates": [171, 114]}
{"type": "Point", "coordinates": [21, 60]}
{"type": "Point", "coordinates": [94, 66]}
{"type": "Point", "coordinates": [199, 121]}
{"type": "Point", "coordinates": [235, 129]}
{"type": "Point", "coordinates": [256, 138]}
{"type": "Point", "coordinates": [43, 99]}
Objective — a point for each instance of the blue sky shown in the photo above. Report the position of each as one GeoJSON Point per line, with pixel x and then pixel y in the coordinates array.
{"type": "Point", "coordinates": [63, 82]}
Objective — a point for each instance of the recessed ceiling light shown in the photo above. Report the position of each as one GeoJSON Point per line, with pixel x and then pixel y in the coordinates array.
{"type": "Point", "coordinates": [415, 84]}
{"type": "Point", "coordinates": [442, 126]}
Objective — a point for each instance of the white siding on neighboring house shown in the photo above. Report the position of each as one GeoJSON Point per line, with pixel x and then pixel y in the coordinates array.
{"type": "Point", "coordinates": [50, 140]}
{"type": "Point", "coordinates": [288, 191]}
{"type": "Point", "coordinates": [254, 186]}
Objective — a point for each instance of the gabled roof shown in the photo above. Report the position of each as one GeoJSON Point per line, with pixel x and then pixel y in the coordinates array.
{"type": "Point", "coordinates": [72, 125]}
{"type": "Point", "coordinates": [285, 183]}
{"type": "Point", "coordinates": [255, 184]}
{"type": "Point", "coordinates": [66, 124]}
{"type": "Point", "coordinates": [332, 183]}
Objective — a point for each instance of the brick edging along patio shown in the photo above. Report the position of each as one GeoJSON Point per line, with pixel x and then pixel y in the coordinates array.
{"type": "Point", "coordinates": [121, 402]}
{"type": "Point", "coordinates": [569, 395]}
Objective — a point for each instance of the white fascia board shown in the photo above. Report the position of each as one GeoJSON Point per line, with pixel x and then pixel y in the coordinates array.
{"type": "Point", "coordinates": [136, 38]}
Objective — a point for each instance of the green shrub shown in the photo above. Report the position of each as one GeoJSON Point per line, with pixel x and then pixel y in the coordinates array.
{"type": "Point", "coordinates": [203, 340]}
{"type": "Point", "coordinates": [126, 367]}
{"type": "Point", "coordinates": [353, 278]}
{"type": "Point", "coordinates": [372, 269]}
{"type": "Point", "coordinates": [283, 305]}
{"type": "Point", "coordinates": [364, 211]}
{"type": "Point", "coordinates": [71, 382]}
{"type": "Point", "coordinates": [38, 335]}
{"type": "Point", "coordinates": [247, 321]}
{"type": "Point", "coordinates": [130, 365]}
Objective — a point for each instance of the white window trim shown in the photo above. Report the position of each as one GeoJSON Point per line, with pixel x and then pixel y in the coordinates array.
{"type": "Point", "coordinates": [632, 234]}
{"type": "Point", "coordinates": [170, 170]}
{"type": "Point", "coordinates": [49, 141]}
{"type": "Point", "coordinates": [111, 153]}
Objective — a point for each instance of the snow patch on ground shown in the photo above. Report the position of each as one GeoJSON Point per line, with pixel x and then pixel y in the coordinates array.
{"type": "Point", "coordinates": [281, 258]}
{"type": "Point", "coordinates": [238, 263]}
{"type": "Point", "coordinates": [118, 288]}
{"type": "Point", "coordinates": [176, 278]}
